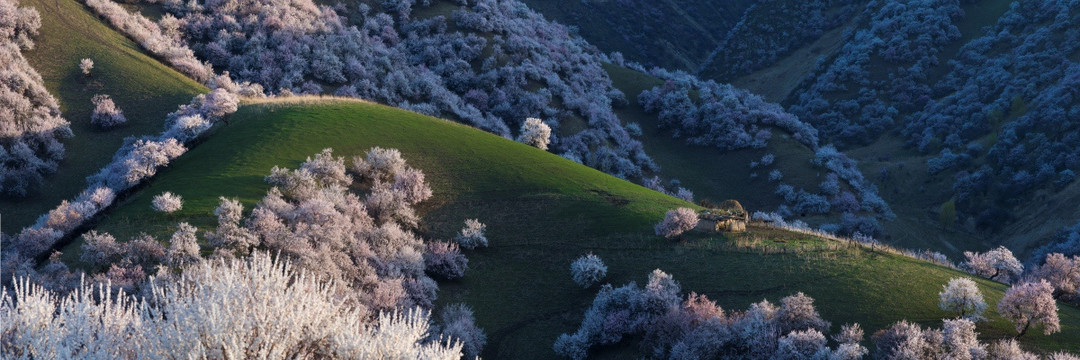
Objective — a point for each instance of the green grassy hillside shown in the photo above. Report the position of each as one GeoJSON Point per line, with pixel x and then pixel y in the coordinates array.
{"type": "Point", "coordinates": [542, 212]}
{"type": "Point", "coordinates": [142, 87]}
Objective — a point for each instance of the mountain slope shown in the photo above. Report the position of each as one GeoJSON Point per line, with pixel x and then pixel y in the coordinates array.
{"type": "Point", "coordinates": [902, 165]}
{"type": "Point", "coordinates": [142, 87]}
{"type": "Point", "coordinates": [771, 29]}
{"type": "Point", "coordinates": [542, 212]}
{"type": "Point", "coordinates": [900, 169]}
{"type": "Point", "coordinates": [675, 34]}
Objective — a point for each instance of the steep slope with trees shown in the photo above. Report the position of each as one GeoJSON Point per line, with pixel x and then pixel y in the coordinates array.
{"type": "Point", "coordinates": [144, 88]}
{"type": "Point", "coordinates": [966, 115]}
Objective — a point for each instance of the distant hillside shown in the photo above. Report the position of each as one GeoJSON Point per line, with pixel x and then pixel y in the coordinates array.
{"type": "Point", "coordinates": [141, 86]}
{"type": "Point", "coordinates": [945, 104]}
{"type": "Point", "coordinates": [674, 34]}
{"type": "Point", "coordinates": [918, 221]}
{"type": "Point", "coordinates": [965, 118]}
{"type": "Point", "coordinates": [542, 212]}
{"type": "Point", "coordinates": [722, 151]}
{"type": "Point", "coordinates": [771, 30]}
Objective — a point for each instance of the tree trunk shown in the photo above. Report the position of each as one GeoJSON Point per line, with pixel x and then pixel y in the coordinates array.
{"type": "Point", "coordinates": [1024, 330]}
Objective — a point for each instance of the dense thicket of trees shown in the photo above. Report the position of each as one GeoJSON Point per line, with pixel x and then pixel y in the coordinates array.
{"type": "Point", "coordinates": [697, 328]}
{"type": "Point", "coordinates": [362, 240]}
{"type": "Point", "coordinates": [30, 123]}
{"type": "Point", "coordinates": [217, 309]}
{"type": "Point", "coordinates": [719, 114]}
{"type": "Point", "coordinates": [853, 104]}
{"type": "Point", "coordinates": [1067, 242]}
{"type": "Point", "coordinates": [1019, 71]}
{"type": "Point", "coordinates": [431, 66]}
{"type": "Point", "coordinates": [151, 37]}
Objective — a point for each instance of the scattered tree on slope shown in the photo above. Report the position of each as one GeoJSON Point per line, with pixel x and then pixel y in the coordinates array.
{"type": "Point", "coordinates": [676, 222]}
{"type": "Point", "coordinates": [588, 270]}
{"type": "Point", "coordinates": [997, 264]}
{"type": "Point", "coordinates": [1031, 303]}
{"type": "Point", "coordinates": [962, 296]}
{"type": "Point", "coordinates": [106, 114]}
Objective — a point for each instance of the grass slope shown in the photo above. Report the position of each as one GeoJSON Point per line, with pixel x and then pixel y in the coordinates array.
{"type": "Point", "coordinates": [543, 211]}
{"type": "Point", "coordinates": [142, 87]}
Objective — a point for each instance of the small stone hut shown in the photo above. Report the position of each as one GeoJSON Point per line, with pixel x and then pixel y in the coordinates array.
{"type": "Point", "coordinates": [730, 216]}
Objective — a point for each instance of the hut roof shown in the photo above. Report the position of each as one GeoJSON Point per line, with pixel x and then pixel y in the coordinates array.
{"type": "Point", "coordinates": [731, 206]}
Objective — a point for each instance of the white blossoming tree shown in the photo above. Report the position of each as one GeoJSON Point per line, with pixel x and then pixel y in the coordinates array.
{"type": "Point", "coordinates": [168, 202]}
{"type": "Point", "coordinates": [962, 296]}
